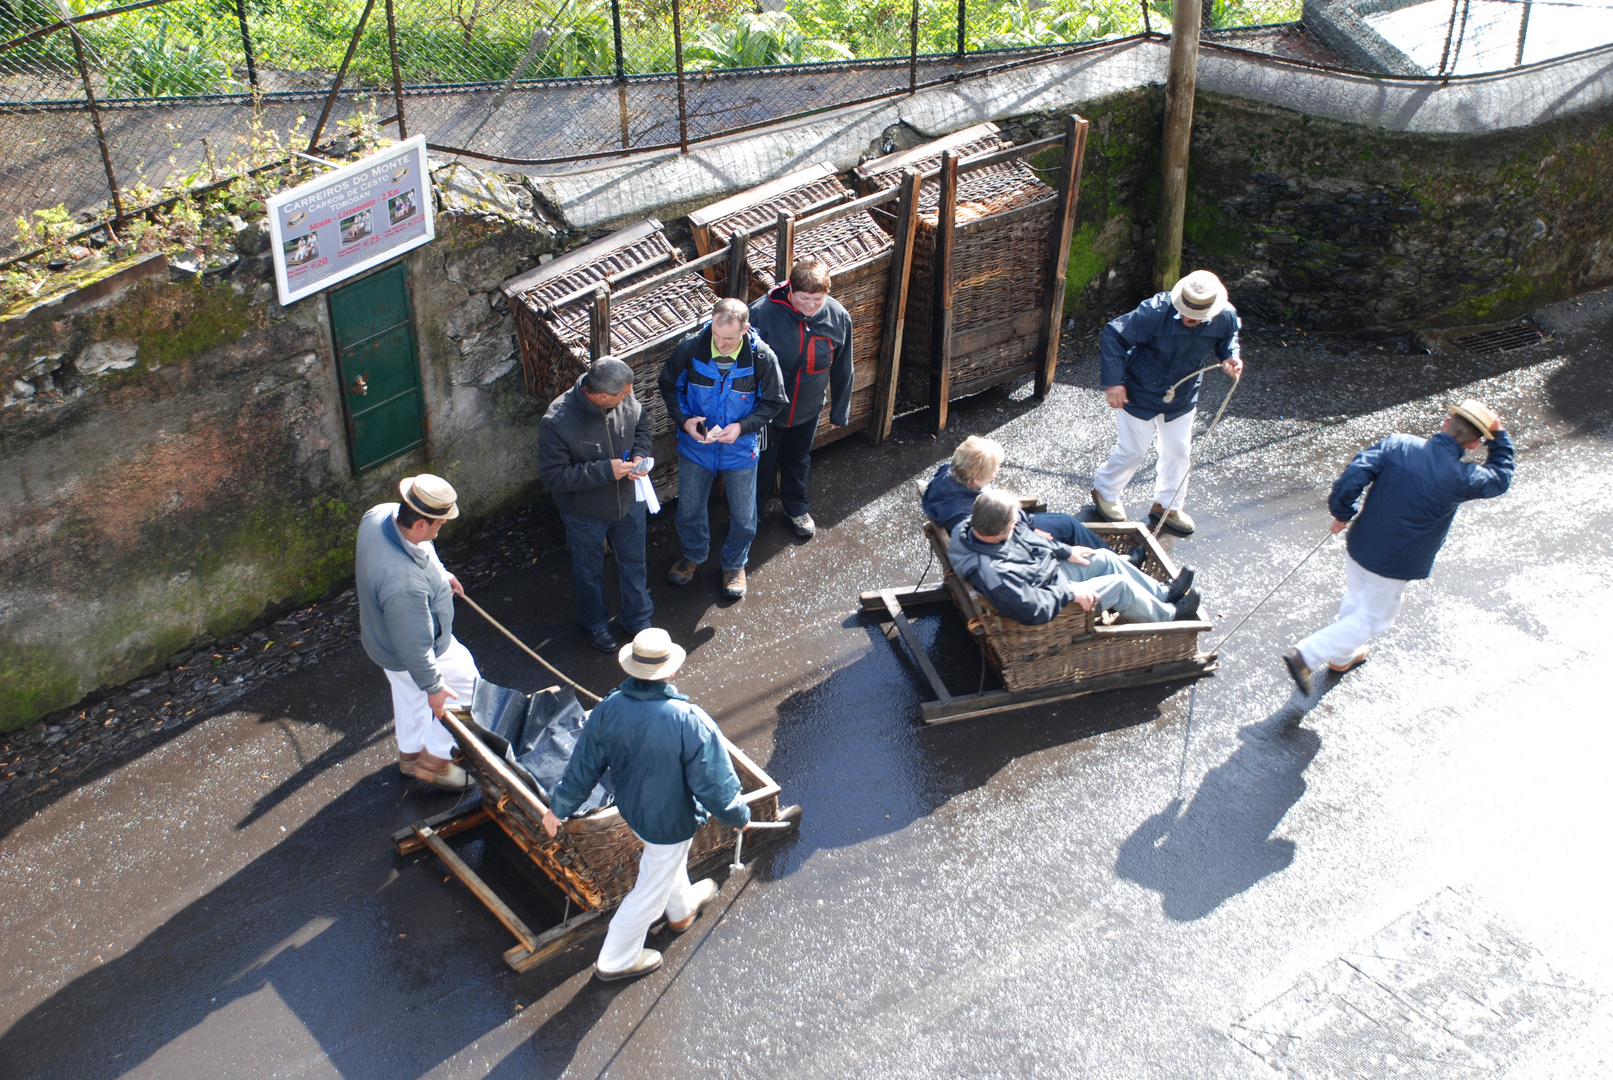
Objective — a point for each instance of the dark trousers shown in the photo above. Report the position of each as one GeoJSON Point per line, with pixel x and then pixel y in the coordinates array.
{"type": "Point", "coordinates": [789, 450]}
{"type": "Point", "coordinates": [586, 539]}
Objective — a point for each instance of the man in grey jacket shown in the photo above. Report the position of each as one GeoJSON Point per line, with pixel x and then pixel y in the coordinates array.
{"type": "Point", "coordinates": [592, 442]}
{"type": "Point", "coordinates": [1030, 577]}
{"type": "Point", "coordinates": [406, 622]}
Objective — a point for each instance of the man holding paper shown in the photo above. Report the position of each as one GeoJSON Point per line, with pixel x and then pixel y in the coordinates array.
{"type": "Point", "coordinates": [593, 446]}
{"type": "Point", "coordinates": [721, 386]}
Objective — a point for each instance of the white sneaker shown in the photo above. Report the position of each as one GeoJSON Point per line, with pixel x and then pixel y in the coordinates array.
{"type": "Point", "coordinates": [648, 960]}
{"type": "Point", "coordinates": [1108, 510]}
{"type": "Point", "coordinates": [704, 890]}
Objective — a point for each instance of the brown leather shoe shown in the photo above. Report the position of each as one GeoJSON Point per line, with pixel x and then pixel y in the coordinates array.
{"type": "Point", "coordinates": [1299, 672]}
{"type": "Point", "coordinates": [682, 571]}
{"type": "Point", "coordinates": [733, 584]}
{"type": "Point", "coordinates": [406, 762]}
{"type": "Point", "coordinates": [440, 772]}
{"type": "Point", "coordinates": [1356, 659]}
{"type": "Point", "coordinates": [704, 890]}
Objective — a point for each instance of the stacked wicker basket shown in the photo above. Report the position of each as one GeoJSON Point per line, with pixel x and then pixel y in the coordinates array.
{"type": "Point", "coordinates": [999, 266]}
{"type": "Point", "coordinates": [552, 306]}
{"type": "Point", "coordinates": [856, 249]}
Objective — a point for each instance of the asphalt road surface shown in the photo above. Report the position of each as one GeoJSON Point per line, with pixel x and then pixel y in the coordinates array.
{"type": "Point", "coordinates": [1405, 875]}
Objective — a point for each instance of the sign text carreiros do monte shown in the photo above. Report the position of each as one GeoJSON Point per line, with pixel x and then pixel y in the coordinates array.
{"type": "Point", "coordinates": [348, 220]}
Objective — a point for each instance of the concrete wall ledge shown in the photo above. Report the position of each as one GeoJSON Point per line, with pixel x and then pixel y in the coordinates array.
{"type": "Point", "coordinates": [610, 194]}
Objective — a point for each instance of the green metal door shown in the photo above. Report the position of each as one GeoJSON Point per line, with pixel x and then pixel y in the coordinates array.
{"type": "Point", "coordinates": [380, 372]}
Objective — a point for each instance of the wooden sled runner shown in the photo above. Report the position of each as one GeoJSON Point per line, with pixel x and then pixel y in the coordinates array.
{"type": "Point", "coordinates": [1075, 654]}
{"type": "Point", "coordinates": [593, 860]}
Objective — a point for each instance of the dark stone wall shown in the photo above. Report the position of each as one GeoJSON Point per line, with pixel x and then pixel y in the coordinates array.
{"type": "Point", "coordinates": [1333, 226]}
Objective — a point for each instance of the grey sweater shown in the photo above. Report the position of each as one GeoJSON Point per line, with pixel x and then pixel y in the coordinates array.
{"type": "Point", "coordinates": [405, 606]}
{"type": "Point", "coordinates": [576, 444]}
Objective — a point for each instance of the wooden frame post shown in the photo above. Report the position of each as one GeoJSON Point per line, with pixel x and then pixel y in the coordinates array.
{"type": "Point", "coordinates": [901, 276]}
{"type": "Point", "coordinates": [783, 247]}
{"type": "Point", "coordinates": [736, 285]}
{"type": "Point", "coordinates": [599, 324]}
{"type": "Point", "coordinates": [1075, 144]}
{"type": "Point", "coordinates": [946, 243]}
{"type": "Point", "coordinates": [1181, 79]}
{"type": "Point", "coordinates": [677, 59]}
{"type": "Point", "coordinates": [397, 70]}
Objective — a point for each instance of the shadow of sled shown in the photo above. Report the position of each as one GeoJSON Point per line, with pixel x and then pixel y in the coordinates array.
{"type": "Point", "coordinates": [1070, 656]}
{"type": "Point", "coordinates": [516, 747]}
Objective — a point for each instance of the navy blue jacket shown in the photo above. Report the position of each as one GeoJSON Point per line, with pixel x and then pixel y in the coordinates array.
{"type": "Point", "coordinates": [1020, 576]}
{"type": "Point", "coordinates": [1149, 349]}
{"type": "Point", "coordinates": [668, 765]}
{"type": "Point", "coordinates": [1417, 484]}
{"type": "Point", "coordinates": [947, 502]}
{"type": "Point", "coordinates": [691, 385]}
{"type": "Point", "coordinates": [814, 355]}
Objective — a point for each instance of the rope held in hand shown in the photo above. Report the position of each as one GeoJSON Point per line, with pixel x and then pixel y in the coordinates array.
{"type": "Point", "coordinates": [556, 672]}
{"type": "Point", "coordinates": [1325, 538]}
{"type": "Point", "coordinates": [1194, 459]}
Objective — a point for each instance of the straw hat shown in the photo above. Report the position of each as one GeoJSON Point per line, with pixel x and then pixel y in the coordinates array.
{"type": "Point", "coordinates": [1199, 295]}
{"type": "Point", "coordinates": [431, 496]}
{"type": "Point", "coordinates": [1478, 414]}
{"type": "Point", "coordinates": [652, 655]}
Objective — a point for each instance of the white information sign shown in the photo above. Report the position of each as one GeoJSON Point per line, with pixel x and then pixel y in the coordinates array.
{"type": "Point", "coordinates": [350, 219]}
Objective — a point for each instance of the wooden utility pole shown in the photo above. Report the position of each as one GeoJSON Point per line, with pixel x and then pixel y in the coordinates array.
{"type": "Point", "coordinates": [1179, 86]}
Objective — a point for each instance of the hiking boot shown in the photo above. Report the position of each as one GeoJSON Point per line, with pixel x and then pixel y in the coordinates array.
{"type": "Point", "coordinates": [1107, 510]}
{"type": "Point", "coordinates": [1176, 521]}
{"type": "Point", "coordinates": [1179, 587]}
{"type": "Point", "coordinates": [1138, 555]}
{"type": "Point", "coordinates": [406, 762]}
{"type": "Point", "coordinates": [1299, 672]}
{"type": "Point", "coordinates": [648, 960]}
{"type": "Point", "coordinates": [733, 584]}
{"type": "Point", "coordinates": [440, 772]}
{"type": "Point", "coordinates": [1188, 606]}
{"type": "Point", "coordinates": [804, 526]}
{"type": "Point", "coordinates": [682, 571]}
{"type": "Point", "coordinates": [1356, 659]}
{"type": "Point", "coordinates": [704, 890]}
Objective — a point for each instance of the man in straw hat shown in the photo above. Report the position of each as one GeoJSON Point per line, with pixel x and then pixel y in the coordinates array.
{"type": "Point", "coordinates": [406, 621]}
{"type": "Point", "coordinates": [1145, 354]}
{"type": "Point", "coordinates": [1417, 484]}
{"type": "Point", "coordinates": [670, 771]}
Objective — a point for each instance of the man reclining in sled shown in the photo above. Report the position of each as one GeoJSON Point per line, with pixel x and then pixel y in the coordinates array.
{"type": "Point", "coordinates": [1029, 577]}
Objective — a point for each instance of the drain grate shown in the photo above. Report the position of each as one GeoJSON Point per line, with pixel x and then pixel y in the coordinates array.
{"type": "Point", "coordinates": [1516, 335]}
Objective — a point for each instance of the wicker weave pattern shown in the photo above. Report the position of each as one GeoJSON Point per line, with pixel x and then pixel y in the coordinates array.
{"type": "Point", "coordinates": [1072, 646]}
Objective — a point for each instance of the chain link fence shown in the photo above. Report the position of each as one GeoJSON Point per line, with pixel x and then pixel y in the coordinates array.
{"type": "Point", "coordinates": [104, 109]}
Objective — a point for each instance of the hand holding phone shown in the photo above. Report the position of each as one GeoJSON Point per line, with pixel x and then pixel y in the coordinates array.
{"type": "Point", "coordinates": [643, 466]}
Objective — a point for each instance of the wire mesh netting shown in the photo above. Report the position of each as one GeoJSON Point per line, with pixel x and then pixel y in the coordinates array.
{"type": "Point", "coordinates": [185, 87]}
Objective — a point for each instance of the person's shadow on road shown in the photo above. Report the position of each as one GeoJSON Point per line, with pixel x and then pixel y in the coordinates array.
{"type": "Point", "coordinates": [1220, 844]}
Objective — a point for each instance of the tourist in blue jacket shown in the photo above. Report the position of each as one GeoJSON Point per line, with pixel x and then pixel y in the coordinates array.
{"type": "Point", "coordinates": [721, 385]}
{"type": "Point", "coordinates": [671, 772]}
{"type": "Point", "coordinates": [810, 332]}
{"type": "Point", "coordinates": [949, 497]}
{"type": "Point", "coordinates": [1030, 578]}
{"type": "Point", "coordinates": [1146, 353]}
{"type": "Point", "coordinates": [1417, 484]}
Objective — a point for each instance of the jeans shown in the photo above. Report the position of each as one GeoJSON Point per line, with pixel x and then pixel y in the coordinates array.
{"type": "Point", "coordinates": [694, 522]}
{"type": "Point", "coordinates": [789, 450]}
{"type": "Point", "coordinates": [1066, 529]}
{"type": "Point", "coordinates": [586, 539]}
{"type": "Point", "coordinates": [1122, 588]}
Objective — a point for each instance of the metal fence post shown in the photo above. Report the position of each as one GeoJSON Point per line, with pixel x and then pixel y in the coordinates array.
{"type": "Point", "coordinates": [246, 44]}
{"type": "Point", "coordinates": [677, 56]}
{"type": "Point", "coordinates": [616, 34]}
{"type": "Point", "coordinates": [341, 74]}
{"type": "Point", "coordinates": [963, 19]}
{"type": "Point", "coordinates": [95, 118]}
{"type": "Point", "coordinates": [397, 72]}
{"type": "Point", "coordinates": [1147, 28]}
{"type": "Point", "coordinates": [913, 50]}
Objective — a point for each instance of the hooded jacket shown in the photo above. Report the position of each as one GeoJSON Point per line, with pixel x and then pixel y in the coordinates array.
{"type": "Point", "coordinates": [669, 767]}
{"type": "Point", "coordinates": [1417, 484]}
{"type": "Point", "coordinates": [405, 605]}
{"type": "Point", "coordinates": [1149, 348]}
{"type": "Point", "coordinates": [814, 355]}
{"type": "Point", "coordinates": [751, 394]}
{"type": "Point", "coordinates": [1020, 575]}
{"type": "Point", "coordinates": [576, 444]}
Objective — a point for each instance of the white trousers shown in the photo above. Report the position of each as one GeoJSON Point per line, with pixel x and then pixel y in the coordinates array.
{"type": "Point", "coordinates": [417, 729]}
{"type": "Point", "coordinates": [1132, 440]}
{"type": "Point", "coordinates": [662, 888]}
{"type": "Point", "coordinates": [1370, 605]}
